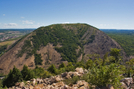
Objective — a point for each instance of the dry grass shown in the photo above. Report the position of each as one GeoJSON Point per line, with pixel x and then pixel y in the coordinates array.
{"type": "Point", "coordinates": [7, 42]}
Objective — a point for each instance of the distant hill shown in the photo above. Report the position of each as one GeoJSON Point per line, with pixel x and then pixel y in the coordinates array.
{"type": "Point", "coordinates": [55, 44]}
{"type": "Point", "coordinates": [124, 37]}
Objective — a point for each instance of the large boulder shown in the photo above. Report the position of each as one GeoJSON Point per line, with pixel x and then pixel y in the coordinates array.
{"type": "Point", "coordinates": [59, 84]}
{"type": "Point", "coordinates": [66, 87]}
{"type": "Point", "coordinates": [123, 85]}
{"type": "Point", "coordinates": [19, 85]}
{"type": "Point", "coordinates": [79, 70]}
{"type": "Point", "coordinates": [39, 81]}
{"type": "Point", "coordinates": [82, 84]}
{"type": "Point", "coordinates": [127, 81]}
{"type": "Point", "coordinates": [33, 81]}
{"type": "Point", "coordinates": [131, 86]}
{"type": "Point", "coordinates": [58, 78]}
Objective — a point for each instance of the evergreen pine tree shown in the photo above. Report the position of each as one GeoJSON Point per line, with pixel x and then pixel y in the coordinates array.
{"type": "Point", "coordinates": [13, 77]}
{"type": "Point", "coordinates": [27, 74]}
{"type": "Point", "coordinates": [62, 65]}
{"type": "Point", "coordinates": [52, 69]}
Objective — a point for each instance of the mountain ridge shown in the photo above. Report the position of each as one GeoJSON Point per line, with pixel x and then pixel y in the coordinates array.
{"type": "Point", "coordinates": [55, 44]}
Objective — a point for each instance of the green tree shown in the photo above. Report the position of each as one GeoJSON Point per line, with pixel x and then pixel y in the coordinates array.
{"type": "Point", "coordinates": [80, 64]}
{"type": "Point", "coordinates": [89, 64]}
{"type": "Point", "coordinates": [46, 74]}
{"type": "Point", "coordinates": [105, 57]}
{"type": "Point", "coordinates": [62, 65]}
{"type": "Point", "coordinates": [13, 77]}
{"type": "Point", "coordinates": [116, 54]}
{"type": "Point", "coordinates": [70, 67]}
{"type": "Point", "coordinates": [38, 60]}
{"type": "Point", "coordinates": [1, 84]}
{"type": "Point", "coordinates": [130, 67]}
{"type": "Point", "coordinates": [52, 69]}
{"type": "Point", "coordinates": [27, 74]}
{"type": "Point", "coordinates": [39, 71]}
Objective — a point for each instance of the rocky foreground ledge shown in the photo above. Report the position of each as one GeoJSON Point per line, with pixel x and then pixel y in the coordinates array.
{"type": "Point", "coordinates": [57, 82]}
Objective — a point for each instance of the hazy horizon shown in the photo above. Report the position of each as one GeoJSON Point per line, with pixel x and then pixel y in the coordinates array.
{"type": "Point", "coordinates": [36, 28]}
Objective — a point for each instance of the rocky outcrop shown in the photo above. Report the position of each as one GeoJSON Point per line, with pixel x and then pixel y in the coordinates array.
{"type": "Point", "coordinates": [54, 82]}
{"type": "Point", "coordinates": [57, 82]}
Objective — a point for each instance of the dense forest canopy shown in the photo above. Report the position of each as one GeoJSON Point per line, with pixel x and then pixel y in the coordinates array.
{"type": "Point", "coordinates": [124, 37]}
{"type": "Point", "coordinates": [57, 34]}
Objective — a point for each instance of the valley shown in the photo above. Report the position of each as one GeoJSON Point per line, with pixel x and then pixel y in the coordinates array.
{"type": "Point", "coordinates": [9, 34]}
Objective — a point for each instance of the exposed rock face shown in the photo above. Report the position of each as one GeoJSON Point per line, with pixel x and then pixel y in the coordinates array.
{"type": "Point", "coordinates": [101, 44]}
{"type": "Point", "coordinates": [94, 41]}
{"type": "Point", "coordinates": [49, 55]}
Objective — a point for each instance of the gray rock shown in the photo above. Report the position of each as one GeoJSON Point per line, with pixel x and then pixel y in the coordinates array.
{"type": "Point", "coordinates": [127, 81]}
{"type": "Point", "coordinates": [79, 70]}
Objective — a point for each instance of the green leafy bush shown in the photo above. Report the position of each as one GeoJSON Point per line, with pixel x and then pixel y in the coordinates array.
{"type": "Point", "coordinates": [104, 75]}
{"type": "Point", "coordinates": [80, 64]}
{"type": "Point", "coordinates": [129, 70]}
{"type": "Point", "coordinates": [70, 67]}
{"type": "Point", "coordinates": [116, 54]}
{"type": "Point", "coordinates": [46, 74]}
{"type": "Point", "coordinates": [61, 70]}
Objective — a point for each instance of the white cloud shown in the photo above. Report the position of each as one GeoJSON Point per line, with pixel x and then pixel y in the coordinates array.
{"type": "Point", "coordinates": [65, 23]}
{"type": "Point", "coordinates": [22, 17]}
{"type": "Point", "coordinates": [3, 14]}
{"type": "Point", "coordinates": [11, 24]}
{"type": "Point", "coordinates": [27, 22]}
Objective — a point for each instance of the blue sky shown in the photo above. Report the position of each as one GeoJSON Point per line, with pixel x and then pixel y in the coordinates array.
{"type": "Point", "coordinates": [103, 14]}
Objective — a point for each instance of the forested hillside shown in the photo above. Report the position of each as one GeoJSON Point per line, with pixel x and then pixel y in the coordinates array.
{"type": "Point", "coordinates": [57, 43]}
{"type": "Point", "coordinates": [124, 37]}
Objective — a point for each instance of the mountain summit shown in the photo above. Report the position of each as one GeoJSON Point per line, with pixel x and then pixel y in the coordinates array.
{"type": "Point", "coordinates": [55, 44]}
